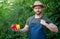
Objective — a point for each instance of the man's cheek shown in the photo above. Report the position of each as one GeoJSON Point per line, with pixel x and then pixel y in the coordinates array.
{"type": "Point", "coordinates": [35, 10]}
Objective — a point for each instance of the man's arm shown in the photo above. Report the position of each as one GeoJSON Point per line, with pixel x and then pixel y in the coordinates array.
{"type": "Point", "coordinates": [25, 29]}
{"type": "Point", "coordinates": [50, 26]}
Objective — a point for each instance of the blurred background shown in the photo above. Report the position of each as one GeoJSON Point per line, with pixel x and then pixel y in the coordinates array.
{"type": "Point", "coordinates": [17, 12]}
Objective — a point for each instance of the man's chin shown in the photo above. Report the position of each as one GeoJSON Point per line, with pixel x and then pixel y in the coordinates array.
{"type": "Point", "coordinates": [38, 13]}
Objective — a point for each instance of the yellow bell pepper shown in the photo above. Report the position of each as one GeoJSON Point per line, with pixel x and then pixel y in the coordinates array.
{"type": "Point", "coordinates": [17, 26]}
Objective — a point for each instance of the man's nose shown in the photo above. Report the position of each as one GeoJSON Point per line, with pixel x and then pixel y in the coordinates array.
{"type": "Point", "coordinates": [38, 9]}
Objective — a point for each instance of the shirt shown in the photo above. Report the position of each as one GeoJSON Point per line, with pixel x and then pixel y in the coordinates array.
{"type": "Point", "coordinates": [37, 20]}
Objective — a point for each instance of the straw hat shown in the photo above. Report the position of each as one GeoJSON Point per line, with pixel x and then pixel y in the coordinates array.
{"type": "Point", "coordinates": [37, 3]}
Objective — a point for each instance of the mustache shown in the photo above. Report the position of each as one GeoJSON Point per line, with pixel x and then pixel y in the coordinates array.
{"type": "Point", "coordinates": [38, 13]}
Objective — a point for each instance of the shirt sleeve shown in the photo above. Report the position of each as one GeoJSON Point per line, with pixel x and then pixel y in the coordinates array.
{"type": "Point", "coordinates": [27, 21]}
{"type": "Point", "coordinates": [47, 20]}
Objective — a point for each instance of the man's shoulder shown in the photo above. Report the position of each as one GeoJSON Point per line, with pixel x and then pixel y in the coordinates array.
{"type": "Point", "coordinates": [30, 17]}
{"type": "Point", "coordinates": [43, 17]}
{"type": "Point", "coordinates": [47, 19]}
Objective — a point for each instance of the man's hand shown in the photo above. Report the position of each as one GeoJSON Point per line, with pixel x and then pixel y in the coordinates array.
{"type": "Point", "coordinates": [25, 29]}
{"type": "Point", "coordinates": [15, 27]}
{"type": "Point", "coordinates": [16, 30]}
{"type": "Point", "coordinates": [43, 22]}
{"type": "Point", "coordinates": [53, 27]}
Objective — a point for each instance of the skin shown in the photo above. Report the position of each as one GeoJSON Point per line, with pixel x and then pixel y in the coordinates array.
{"type": "Point", "coordinates": [52, 27]}
{"type": "Point", "coordinates": [37, 10]}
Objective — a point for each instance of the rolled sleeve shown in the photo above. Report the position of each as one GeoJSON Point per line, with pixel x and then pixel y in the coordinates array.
{"type": "Point", "coordinates": [47, 20]}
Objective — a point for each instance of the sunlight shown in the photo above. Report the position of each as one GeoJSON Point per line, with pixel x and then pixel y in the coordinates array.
{"type": "Point", "coordinates": [1, 1]}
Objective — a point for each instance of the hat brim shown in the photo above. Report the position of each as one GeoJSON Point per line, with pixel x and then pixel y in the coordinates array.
{"type": "Point", "coordinates": [32, 6]}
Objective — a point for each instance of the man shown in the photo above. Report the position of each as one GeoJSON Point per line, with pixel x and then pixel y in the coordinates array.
{"type": "Point", "coordinates": [36, 23]}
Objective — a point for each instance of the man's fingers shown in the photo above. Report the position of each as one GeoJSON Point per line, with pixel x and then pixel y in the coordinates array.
{"type": "Point", "coordinates": [42, 20]}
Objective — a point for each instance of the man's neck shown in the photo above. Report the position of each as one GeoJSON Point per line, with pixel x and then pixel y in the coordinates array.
{"type": "Point", "coordinates": [38, 16]}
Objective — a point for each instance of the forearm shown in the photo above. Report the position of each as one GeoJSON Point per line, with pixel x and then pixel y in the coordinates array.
{"type": "Point", "coordinates": [52, 27]}
{"type": "Point", "coordinates": [46, 25]}
{"type": "Point", "coordinates": [23, 30]}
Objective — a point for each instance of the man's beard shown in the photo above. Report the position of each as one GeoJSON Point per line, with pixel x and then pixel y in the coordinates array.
{"type": "Point", "coordinates": [38, 13]}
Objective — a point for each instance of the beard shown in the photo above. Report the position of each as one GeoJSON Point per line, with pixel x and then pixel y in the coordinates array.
{"type": "Point", "coordinates": [38, 13]}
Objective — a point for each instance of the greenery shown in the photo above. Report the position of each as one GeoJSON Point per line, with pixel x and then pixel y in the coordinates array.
{"type": "Point", "coordinates": [17, 11]}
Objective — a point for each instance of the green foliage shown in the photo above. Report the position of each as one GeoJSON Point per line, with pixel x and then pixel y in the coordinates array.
{"type": "Point", "coordinates": [17, 12]}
